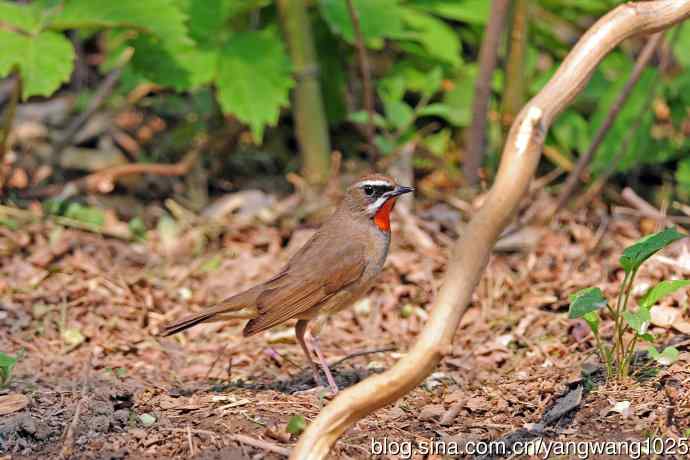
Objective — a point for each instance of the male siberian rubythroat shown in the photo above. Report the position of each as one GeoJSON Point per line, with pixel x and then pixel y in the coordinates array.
{"type": "Point", "coordinates": [330, 272]}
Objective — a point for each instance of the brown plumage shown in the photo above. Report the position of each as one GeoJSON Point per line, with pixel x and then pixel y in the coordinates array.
{"type": "Point", "coordinates": [330, 272]}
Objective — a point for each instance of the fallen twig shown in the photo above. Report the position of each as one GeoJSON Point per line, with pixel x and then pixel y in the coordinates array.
{"type": "Point", "coordinates": [449, 416]}
{"type": "Point", "coordinates": [104, 90]}
{"type": "Point", "coordinates": [357, 354]}
{"type": "Point", "coordinates": [68, 444]}
{"type": "Point", "coordinates": [260, 444]}
{"type": "Point", "coordinates": [644, 206]}
{"type": "Point", "coordinates": [104, 181]}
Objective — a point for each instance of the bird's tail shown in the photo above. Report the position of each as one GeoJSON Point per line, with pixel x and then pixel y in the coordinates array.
{"type": "Point", "coordinates": [238, 306]}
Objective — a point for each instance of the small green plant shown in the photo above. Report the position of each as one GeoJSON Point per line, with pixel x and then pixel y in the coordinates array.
{"type": "Point", "coordinates": [7, 363]}
{"type": "Point", "coordinates": [296, 424]}
{"type": "Point", "coordinates": [586, 304]}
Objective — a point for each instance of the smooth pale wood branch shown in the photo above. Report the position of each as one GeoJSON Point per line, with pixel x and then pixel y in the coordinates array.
{"type": "Point", "coordinates": [471, 253]}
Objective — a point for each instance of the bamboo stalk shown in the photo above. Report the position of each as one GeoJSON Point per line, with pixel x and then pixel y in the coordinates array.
{"type": "Point", "coordinates": [310, 117]}
{"type": "Point", "coordinates": [7, 122]}
{"type": "Point", "coordinates": [515, 81]}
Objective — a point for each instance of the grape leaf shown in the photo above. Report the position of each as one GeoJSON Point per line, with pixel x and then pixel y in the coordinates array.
{"type": "Point", "coordinates": [254, 79]}
{"type": "Point", "coordinates": [181, 67]}
{"type": "Point", "coordinates": [159, 17]}
{"type": "Point", "coordinates": [24, 17]}
{"type": "Point", "coordinates": [208, 18]}
{"type": "Point", "coordinates": [45, 60]}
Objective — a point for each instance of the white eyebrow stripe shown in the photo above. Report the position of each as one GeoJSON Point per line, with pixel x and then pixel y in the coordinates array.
{"type": "Point", "coordinates": [375, 183]}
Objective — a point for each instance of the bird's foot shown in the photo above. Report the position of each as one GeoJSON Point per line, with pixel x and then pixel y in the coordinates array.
{"type": "Point", "coordinates": [316, 347]}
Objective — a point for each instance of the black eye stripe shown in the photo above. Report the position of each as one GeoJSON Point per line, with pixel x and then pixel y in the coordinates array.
{"type": "Point", "coordinates": [378, 190]}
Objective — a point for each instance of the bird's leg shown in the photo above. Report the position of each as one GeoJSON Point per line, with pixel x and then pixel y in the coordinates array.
{"type": "Point", "coordinates": [314, 342]}
{"type": "Point", "coordinates": [300, 330]}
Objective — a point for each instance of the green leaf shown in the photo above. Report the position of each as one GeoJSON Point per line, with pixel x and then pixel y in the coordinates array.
{"type": "Point", "coordinates": [683, 173]}
{"type": "Point", "coordinates": [378, 19]}
{"type": "Point", "coordinates": [399, 114]}
{"type": "Point", "coordinates": [384, 144]}
{"type": "Point", "coordinates": [647, 337]}
{"type": "Point", "coordinates": [45, 60]}
{"type": "Point", "coordinates": [159, 17]}
{"type": "Point", "coordinates": [438, 109]}
{"type": "Point", "coordinates": [73, 337]}
{"type": "Point", "coordinates": [433, 82]}
{"type": "Point", "coordinates": [459, 99]}
{"type": "Point", "coordinates": [682, 45]}
{"type": "Point", "coordinates": [392, 88]}
{"type": "Point", "coordinates": [25, 17]}
{"type": "Point", "coordinates": [640, 141]}
{"type": "Point", "coordinates": [585, 301]}
{"type": "Point", "coordinates": [208, 19]}
{"type": "Point", "coordinates": [332, 74]}
{"type": "Point", "coordinates": [137, 228]}
{"type": "Point", "coordinates": [85, 214]}
{"type": "Point", "coordinates": [470, 11]}
{"type": "Point", "coordinates": [666, 357]}
{"type": "Point", "coordinates": [254, 79]}
{"type": "Point", "coordinates": [592, 319]}
{"type": "Point", "coordinates": [660, 291]}
{"type": "Point", "coordinates": [438, 143]}
{"type": "Point", "coordinates": [571, 131]}
{"type": "Point", "coordinates": [638, 320]}
{"type": "Point", "coordinates": [633, 256]}
{"type": "Point", "coordinates": [296, 425]}
{"type": "Point", "coordinates": [212, 264]}
{"type": "Point", "coordinates": [162, 18]}
{"type": "Point", "coordinates": [7, 363]}
{"type": "Point", "coordinates": [182, 67]}
{"type": "Point", "coordinates": [437, 38]}
{"type": "Point", "coordinates": [362, 117]}
{"type": "Point", "coordinates": [147, 419]}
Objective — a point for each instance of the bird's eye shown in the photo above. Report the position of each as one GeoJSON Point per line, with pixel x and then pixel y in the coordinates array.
{"type": "Point", "coordinates": [369, 190]}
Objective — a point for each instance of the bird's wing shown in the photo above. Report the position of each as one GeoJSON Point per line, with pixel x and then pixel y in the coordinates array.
{"type": "Point", "coordinates": [319, 274]}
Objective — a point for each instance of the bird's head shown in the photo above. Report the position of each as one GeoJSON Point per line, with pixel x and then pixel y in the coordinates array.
{"type": "Point", "coordinates": [373, 197]}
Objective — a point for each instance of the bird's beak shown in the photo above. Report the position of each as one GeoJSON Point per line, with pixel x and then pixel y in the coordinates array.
{"type": "Point", "coordinates": [400, 190]}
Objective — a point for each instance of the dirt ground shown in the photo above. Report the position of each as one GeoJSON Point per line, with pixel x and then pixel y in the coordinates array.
{"type": "Point", "coordinates": [81, 310]}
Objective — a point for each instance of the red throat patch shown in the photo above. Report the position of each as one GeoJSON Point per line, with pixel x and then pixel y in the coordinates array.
{"type": "Point", "coordinates": [382, 219]}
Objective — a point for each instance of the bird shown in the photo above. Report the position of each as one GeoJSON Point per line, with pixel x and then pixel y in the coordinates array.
{"type": "Point", "coordinates": [333, 269]}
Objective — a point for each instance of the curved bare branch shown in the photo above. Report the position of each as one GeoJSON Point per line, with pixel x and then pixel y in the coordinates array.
{"type": "Point", "coordinates": [471, 253]}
